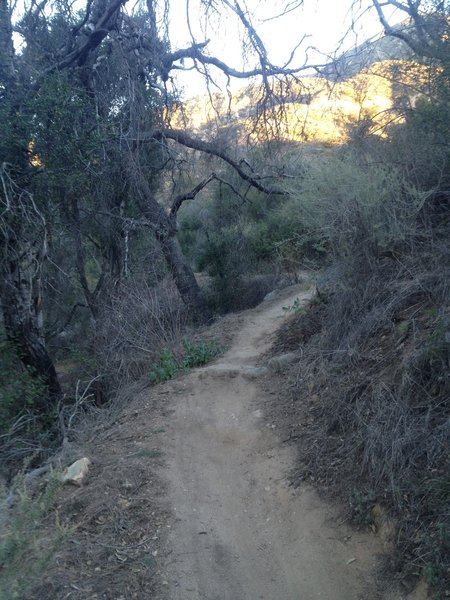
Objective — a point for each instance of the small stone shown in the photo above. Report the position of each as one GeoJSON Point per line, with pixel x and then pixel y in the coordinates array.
{"type": "Point", "coordinates": [77, 471]}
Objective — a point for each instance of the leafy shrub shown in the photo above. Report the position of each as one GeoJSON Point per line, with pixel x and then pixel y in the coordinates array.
{"type": "Point", "coordinates": [199, 353]}
{"type": "Point", "coordinates": [297, 307]}
{"type": "Point", "coordinates": [166, 369]}
{"type": "Point", "coordinates": [360, 504]}
{"type": "Point", "coordinates": [284, 238]}
{"type": "Point", "coordinates": [195, 354]}
{"type": "Point", "coordinates": [347, 206]}
{"type": "Point", "coordinates": [224, 255]}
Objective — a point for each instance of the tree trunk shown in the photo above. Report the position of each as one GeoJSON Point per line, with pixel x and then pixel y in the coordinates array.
{"type": "Point", "coordinates": [23, 245]}
{"type": "Point", "coordinates": [21, 301]}
{"type": "Point", "coordinates": [165, 228]}
{"type": "Point", "coordinates": [184, 279]}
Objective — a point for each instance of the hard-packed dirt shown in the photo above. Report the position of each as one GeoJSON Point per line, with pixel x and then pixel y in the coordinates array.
{"type": "Point", "coordinates": [198, 504]}
{"type": "Point", "coordinates": [240, 532]}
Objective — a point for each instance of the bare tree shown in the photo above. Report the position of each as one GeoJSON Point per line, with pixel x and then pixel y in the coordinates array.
{"type": "Point", "coordinates": [123, 60]}
{"type": "Point", "coordinates": [162, 67]}
{"type": "Point", "coordinates": [422, 24]}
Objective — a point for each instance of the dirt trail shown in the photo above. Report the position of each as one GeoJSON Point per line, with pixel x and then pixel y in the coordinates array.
{"type": "Point", "coordinates": [241, 533]}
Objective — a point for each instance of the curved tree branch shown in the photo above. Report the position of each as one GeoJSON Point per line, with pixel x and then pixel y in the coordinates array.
{"type": "Point", "coordinates": [424, 35]}
{"type": "Point", "coordinates": [197, 144]}
{"type": "Point", "coordinates": [266, 70]}
{"type": "Point", "coordinates": [178, 201]}
{"type": "Point", "coordinates": [95, 38]}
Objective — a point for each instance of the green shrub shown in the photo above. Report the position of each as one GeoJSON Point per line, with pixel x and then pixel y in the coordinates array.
{"type": "Point", "coordinates": [283, 237]}
{"type": "Point", "coordinates": [296, 307]}
{"type": "Point", "coordinates": [166, 369]}
{"type": "Point", "coordinates": [350, 206]}
{"type": "Point", "coordinates": [360, 504]}
{"type": "Point", "coordinates": [200, 353]}
{"type": "Point", "coordinates": [195, 354]}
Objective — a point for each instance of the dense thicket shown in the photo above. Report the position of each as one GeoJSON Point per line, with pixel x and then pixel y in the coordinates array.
{"type": "Point", "coordinates": [91, 186]}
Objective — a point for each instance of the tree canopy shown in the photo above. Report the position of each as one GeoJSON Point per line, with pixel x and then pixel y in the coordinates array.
{"type": "Point", "coordinates": [85, 104]}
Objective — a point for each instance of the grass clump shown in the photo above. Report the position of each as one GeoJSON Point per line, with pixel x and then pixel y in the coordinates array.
{"type": "Point", "coordinates": [194, 354]}
{"type": "Point", "coordinates": [27, 544]}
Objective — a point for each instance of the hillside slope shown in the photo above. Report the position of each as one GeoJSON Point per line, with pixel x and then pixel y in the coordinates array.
{"type": "Point", "coordinates": [366, 88]}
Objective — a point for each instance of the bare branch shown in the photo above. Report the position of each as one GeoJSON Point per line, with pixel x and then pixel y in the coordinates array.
{"type": "Point", "coordinates": [290, 7]}
{"type": "Point", "coordinates": [422, 35]}
{"type": "Point", "coordinates": [255, 40]}
{"type": "Point", "coordinates": [233, 188]}
{"type": "Point", "coordinates": [176, 204]}
{"type": "Point", "coordinates": [197, 144]}
{"type": "Point", "coordinates": [267, 70]}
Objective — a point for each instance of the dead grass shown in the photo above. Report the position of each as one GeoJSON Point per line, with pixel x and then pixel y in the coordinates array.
{"type": "Point", "coordinates": [367, 404]}
{"type": "Point", "coordinates": [117, 519]}
{"type": "Point", "coordinates": [24, 552]}
{"type": "Point", "coordinates": [140, 322]}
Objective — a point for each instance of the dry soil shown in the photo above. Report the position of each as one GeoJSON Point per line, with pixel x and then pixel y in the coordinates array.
{"type": "Point", "coordinates": [188, 496]}
{"type": "Point", "coordinates": [240, 531]}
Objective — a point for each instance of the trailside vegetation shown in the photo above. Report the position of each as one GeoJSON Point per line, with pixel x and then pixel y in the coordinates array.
{"type": "Point", "coordinates": [122, 230]}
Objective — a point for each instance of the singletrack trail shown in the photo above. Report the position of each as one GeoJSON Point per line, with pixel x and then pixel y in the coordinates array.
{"type": "Point", "coordinates": [240, 532]}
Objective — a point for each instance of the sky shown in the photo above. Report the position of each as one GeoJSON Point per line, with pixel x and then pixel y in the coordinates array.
{"type": "Point", "coordinates": [326, 23]}
{"type": "Point", "coordinates": [325, 26]}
